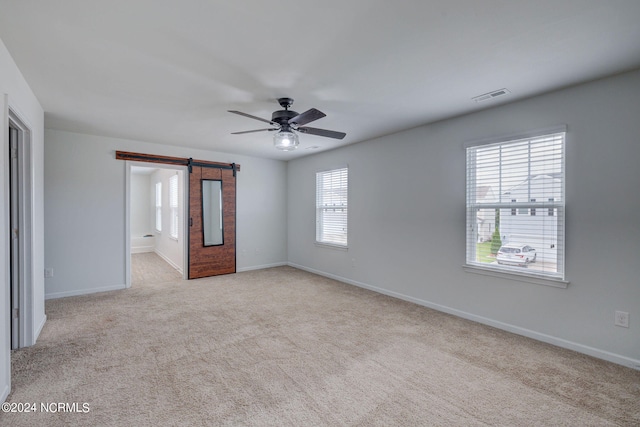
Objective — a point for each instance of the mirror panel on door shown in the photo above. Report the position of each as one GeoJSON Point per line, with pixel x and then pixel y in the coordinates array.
{"type": "Point", "coordinates": [212, 212]}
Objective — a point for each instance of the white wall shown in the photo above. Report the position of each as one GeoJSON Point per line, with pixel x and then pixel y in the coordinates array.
{"type": "Point", "coordinates": [85, 205]}
{"type": "Point", "coordinates": [16, 94]}
{"type": "Point", "coordinates": [407, 219]}
{"type": "Point", "coordinates": [167, 247]}
{"type": "Point", "coordinates": [140, 210]}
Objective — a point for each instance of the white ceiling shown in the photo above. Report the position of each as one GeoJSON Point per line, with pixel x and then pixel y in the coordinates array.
{"type": "Point", "coordinates": [167, 71]}
{"type": "Point", "coordinates": [142, 170]}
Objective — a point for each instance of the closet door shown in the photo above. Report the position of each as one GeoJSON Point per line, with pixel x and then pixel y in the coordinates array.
{"type": "Point", "coordinates": [212, 222]}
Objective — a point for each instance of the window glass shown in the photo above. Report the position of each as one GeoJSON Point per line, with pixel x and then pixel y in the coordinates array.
{"type": "Point", "coordinates": [173, 205]}
{"type": "Point", "coordinates": [510, 187]}
{"type": "Point", "coordinates": [331, 206]}
{"type": "Point", "coordinates": [158, 206]}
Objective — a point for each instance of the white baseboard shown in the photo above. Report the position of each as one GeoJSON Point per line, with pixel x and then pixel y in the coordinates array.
{"type": "Point", "coordinates": [141, 249]}
{"type": "Point", "coordinates": [168, 260]}
{"type": "Point", "coordinates": [39, 329]}
{"type": "Point", "coordinates": [559, 342]}
{"type": "Point", "coordinates": [260, 267]}
{"type": "Point", "coordinates": [74, 293]}
{"type": "Point", "coordinates": [5, 393]}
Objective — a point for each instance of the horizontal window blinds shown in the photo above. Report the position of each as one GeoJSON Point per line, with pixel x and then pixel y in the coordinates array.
{"type": "Point", "coordinates": [173, 205]}
{"type": "Point", "coordinates": [158, 206]}
{"type": "Point", "coordinates": [515, 199]}
{"type": "Point", "coordinates": [332, 206]}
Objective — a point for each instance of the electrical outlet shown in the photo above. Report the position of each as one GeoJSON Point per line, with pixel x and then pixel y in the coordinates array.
{"type": "Point", "coordinates": [48, 272]}
{"type": "Point", "coordinates": [622, 319]}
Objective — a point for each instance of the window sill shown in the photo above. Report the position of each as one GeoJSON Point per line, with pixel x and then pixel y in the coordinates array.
{"type": "Point", "coordinates": [528, 278]}
{"type": "Point", "coordinates": [332, 246]}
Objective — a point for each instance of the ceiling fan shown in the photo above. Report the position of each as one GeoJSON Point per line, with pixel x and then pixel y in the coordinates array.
{"type": "Point", "coordinates": [287, 121]}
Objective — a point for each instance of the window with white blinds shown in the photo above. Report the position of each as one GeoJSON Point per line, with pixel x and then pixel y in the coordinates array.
{"type": "Point", "coordinates": [515, 205]}
{"type": "Point", "coordinates": [158, 206]}
{"type": "Point", "coordinates": [173, 205]}
{"type": "Point", "coordinates": [331, 206]}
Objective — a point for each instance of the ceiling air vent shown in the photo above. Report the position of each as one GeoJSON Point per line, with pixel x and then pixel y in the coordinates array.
{"type": "Point", "coordinates": [491, 95]}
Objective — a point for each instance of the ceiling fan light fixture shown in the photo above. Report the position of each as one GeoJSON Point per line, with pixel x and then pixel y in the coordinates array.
{"type": "Point", "coordinates": [286, 121]}
{"type": "Point", "coordinates": [285, 140]}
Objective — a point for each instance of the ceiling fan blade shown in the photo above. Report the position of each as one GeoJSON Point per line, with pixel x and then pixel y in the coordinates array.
{"type": "Point", "coordinates": [322, 132]}
{"type": "Point", "coordinates": [307, 117]}
{"type": "Point", "coordinates": [252, 117]}
{"type": "Point", "coordinates": [251, 131]}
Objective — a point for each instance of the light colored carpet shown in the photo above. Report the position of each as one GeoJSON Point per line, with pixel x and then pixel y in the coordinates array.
{"type": "Point", "coordinates": [149, 269]}
{"type": "Point", "coordinates": [282, 347]}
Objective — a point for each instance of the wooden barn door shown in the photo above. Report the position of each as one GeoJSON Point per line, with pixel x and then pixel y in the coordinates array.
{"type": "Point", "coordinates": [212, 212]}
{"type": "Point", "coordinates": [212, 222]}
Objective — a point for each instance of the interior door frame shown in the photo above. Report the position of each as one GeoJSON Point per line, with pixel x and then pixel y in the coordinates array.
{"type": "Point", "coordinates": [15, 228]}
{"type": "Point", "coordinates": [141, 159]}
{"type": "Point", "coordinates": [25, 328]}
{"type": "Point", "coordinates": [127, 227]}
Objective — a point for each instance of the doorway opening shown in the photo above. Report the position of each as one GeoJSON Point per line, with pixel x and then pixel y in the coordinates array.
{"type": "Point", "coordinates": [201, 258]}
{"type": "Point", "coordinates": [156, 226]}
{"type": "Point", "coordinates": [20, 226]}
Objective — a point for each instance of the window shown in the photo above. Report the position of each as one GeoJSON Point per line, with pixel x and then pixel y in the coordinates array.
{"type": "Point", "coordinates": [331, 207]}
{"type": "Point", "coordinates": [158, 206]}
{"type": "Point", "coordinates": [526, 176]}
{"type": "Point", "coordinates": [173, 205]}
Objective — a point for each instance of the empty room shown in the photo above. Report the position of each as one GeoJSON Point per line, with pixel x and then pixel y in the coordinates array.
{"type": "Point", "coordinates": [320, 213]}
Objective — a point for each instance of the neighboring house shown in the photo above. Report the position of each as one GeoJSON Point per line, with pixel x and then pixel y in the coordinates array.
{"type": "Point", "coordinates": [536, 227]}
{"type": "Point", "coordinates": [486, 217]}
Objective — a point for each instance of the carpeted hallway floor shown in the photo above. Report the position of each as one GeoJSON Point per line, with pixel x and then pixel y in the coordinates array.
{"type": "Point", "coordinates": [148, 269]}
{"type": "Point", "coordinates": [282, 347]}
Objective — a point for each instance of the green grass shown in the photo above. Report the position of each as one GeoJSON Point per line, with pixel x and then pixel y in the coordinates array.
{"type": "Point", "coordinates": [483, 252]}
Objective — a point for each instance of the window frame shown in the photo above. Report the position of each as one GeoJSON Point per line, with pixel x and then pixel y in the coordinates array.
{"type": "Point", "coordinates": [556, 279]}
{"type": "Point", "coordinates": [174, 225]}
{"type": "Point", "coordinates": [321, 225]}
{"type": "Point", "coordinates": [158, 204]}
